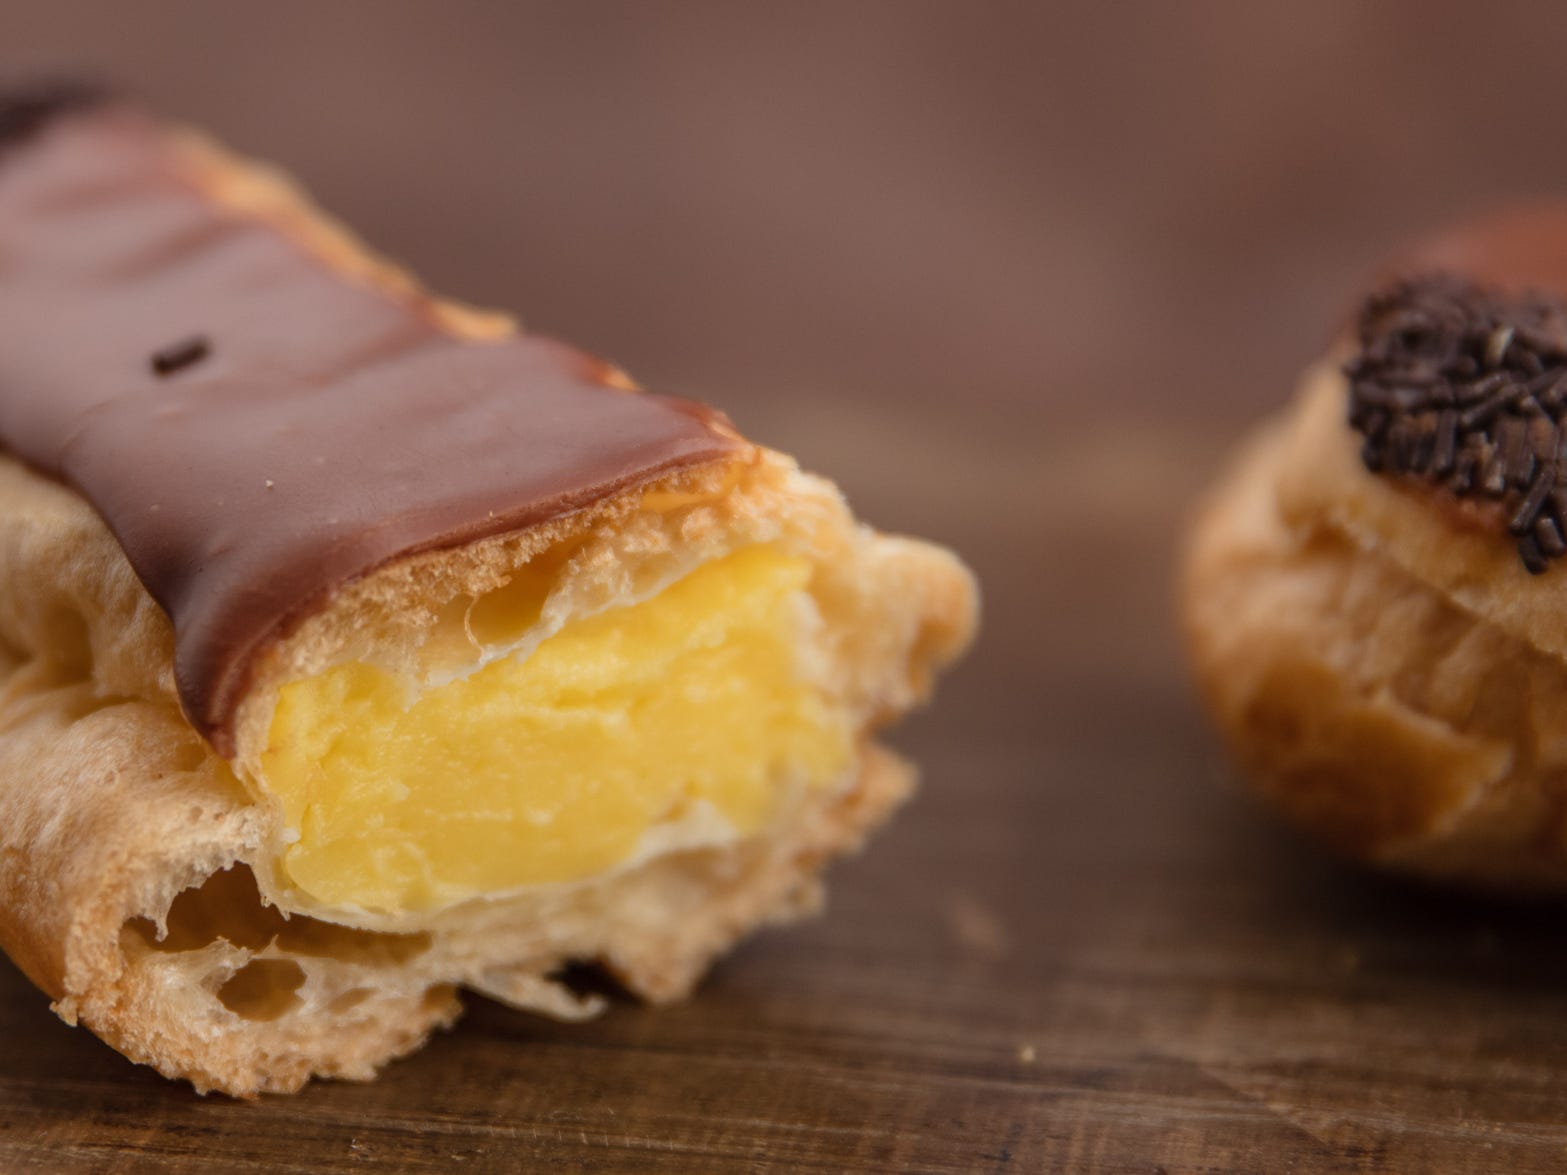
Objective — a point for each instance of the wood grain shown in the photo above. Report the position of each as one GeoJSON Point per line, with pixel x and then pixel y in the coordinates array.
{"type": "Point", "coordinates": [1017, 279]}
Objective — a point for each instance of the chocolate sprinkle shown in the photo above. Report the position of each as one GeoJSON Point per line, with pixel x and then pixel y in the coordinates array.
{"type": "Point", "coordinates": [1549, 537]}
{"type": "Point", "coordinates": [1465, 388]}
{"type": "Point", "coordinates": [26, 108]}
{"type": "Point", "coordinates": [182, 354]}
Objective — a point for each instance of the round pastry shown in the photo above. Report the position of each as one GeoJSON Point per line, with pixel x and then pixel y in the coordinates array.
{"type": "Point", "coordinates": [1375, 594]}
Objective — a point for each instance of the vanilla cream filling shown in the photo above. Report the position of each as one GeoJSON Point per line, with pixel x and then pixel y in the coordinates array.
{"type": "Point", "coordinates": [694, 716]}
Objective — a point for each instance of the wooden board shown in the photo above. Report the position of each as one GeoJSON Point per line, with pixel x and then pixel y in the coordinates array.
{"type": "Point", "coordinates": [1017, 281]}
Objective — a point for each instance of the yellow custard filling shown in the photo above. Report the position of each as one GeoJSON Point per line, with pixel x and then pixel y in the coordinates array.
{"type": "Point", "coordinates": [554, 766]}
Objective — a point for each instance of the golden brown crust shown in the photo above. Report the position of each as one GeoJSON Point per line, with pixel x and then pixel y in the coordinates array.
{"type": "Point", "coordinates": [135, 865]}
{"type": "Point", "coordinates": [1385, 672]}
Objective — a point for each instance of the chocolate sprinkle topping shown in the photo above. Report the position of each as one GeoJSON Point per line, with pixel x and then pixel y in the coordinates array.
{"type": "Point", "coordinates": [180, 355]}
{"type": "Point", "coordinates": [1465, 388]}
{"type": "Point", "coordinates": [26, 108]}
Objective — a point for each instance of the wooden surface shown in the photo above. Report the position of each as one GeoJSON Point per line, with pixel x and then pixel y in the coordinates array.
{"type": "Point", "coordinates": [1016, 276]}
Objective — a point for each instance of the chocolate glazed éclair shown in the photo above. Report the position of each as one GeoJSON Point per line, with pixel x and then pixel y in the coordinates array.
{"type": "Point", "coordinates": [255, 428]}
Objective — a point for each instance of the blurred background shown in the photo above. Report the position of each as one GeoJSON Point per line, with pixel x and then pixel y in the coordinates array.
{"type": "Point", "coordinates": [1016, 275]}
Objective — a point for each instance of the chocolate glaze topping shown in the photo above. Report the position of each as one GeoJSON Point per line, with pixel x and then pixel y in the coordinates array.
{"type": "Point", "coordinates": [257, 430]}
{"type": "Point", "coordinates": [1464, 387]}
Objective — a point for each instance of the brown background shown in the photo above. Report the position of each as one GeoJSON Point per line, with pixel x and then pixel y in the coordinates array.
{"type": "Point", "coordinates": [1015, 274]}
